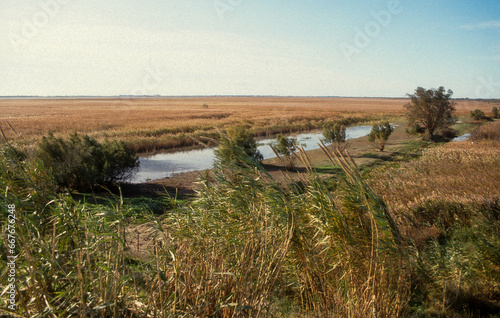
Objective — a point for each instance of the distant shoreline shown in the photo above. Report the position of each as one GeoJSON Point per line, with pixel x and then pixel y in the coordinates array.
{"type": "Point", "coordinates": [83, 97]}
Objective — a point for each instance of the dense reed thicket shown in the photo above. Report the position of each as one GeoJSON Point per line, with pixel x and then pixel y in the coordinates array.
{"type": "Point", "coordinates": [250, 246]}
{"type": "Point", "coordinates": [246, 242]}
{"type": "Point", "coordinates": [70, 260]}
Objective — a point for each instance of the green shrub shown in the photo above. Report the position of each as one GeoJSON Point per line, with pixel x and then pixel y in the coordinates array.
{"type": "Point", "coordinates": [495, 112]}
{"type": "Point", "coordinates": [477, 114]}
{"type": "Point", "coordinates": [285, 147]}
{"type": "Point", "coordinates": [81, 162]}
{"type": "Point", "coordinates": [379, 134]}
{"type": "Point", "coordinates": [335, 134]}
{"type": "Point", "coordinates": [444, 215]}
{"type": "Point", "coordinates": [238, 140]}
{"type": "Point", "coordinates": [415, 129]}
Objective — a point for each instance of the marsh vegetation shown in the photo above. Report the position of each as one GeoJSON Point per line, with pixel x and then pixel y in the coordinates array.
{"type": "Point", "coordinates": [413, 232]}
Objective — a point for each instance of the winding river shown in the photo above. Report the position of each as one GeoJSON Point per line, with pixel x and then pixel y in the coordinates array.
{"type": "Point", "coordinates": [164, 165]}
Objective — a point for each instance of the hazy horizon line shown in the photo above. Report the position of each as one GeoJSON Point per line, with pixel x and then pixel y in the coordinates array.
{"type": "Point", "coordinates": [201, 96]}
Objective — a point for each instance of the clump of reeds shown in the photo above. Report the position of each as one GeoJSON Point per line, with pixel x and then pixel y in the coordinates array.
{"type": "Point", "coordinates": [70, 260]}
{"type": "Point", "coordinates": [346, 258]}
{"type": "Point", "coordinates": [249, 240]}
{"type": "Point", "coordinates": [228, 247]}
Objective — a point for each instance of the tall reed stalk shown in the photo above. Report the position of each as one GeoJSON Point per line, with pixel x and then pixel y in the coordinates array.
{"type": "Point", "coordinates": [346, 258]}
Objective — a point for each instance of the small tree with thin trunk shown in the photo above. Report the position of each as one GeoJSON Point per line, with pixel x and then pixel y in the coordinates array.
{"type": "Point", "coordinates": [336, 135]}
{"type": "Point", "coordinates": [432, 108]}
{"type": "Point", "coordinates": [237, 142]}
{"type": "Point", "coordinates": [285, 147]}
{"type": "Point", "coordinates": [379, 134]}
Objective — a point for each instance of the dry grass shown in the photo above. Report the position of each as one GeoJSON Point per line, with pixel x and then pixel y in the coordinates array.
{"type": "Point", "coordinates": [159, 123]}
{"type": "Point", "coordinates": [167, 122]}
{"type": "Point", "coordinates": [489, 132]}
{"type": "Point", "coordinates": [448, 209]}
{"type": "Point", "coordinates": [460, 172]}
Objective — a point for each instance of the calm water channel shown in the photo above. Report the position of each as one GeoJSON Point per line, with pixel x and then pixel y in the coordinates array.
{"type": "Point", "coordinates": [165, 165]}
{"type": "Point", "coordinates": [462, 137]}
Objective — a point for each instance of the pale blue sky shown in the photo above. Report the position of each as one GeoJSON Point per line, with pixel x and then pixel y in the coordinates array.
{"type": "Point", "coordinates": [249, 47]}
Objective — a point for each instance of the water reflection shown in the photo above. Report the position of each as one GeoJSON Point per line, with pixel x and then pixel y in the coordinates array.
{"type": "Point", "coordinates": [462, 137]}
{"type": "Point", "coordinates": [165, 165]}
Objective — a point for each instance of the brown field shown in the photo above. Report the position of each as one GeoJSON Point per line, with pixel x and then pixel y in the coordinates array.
{"type": "Point", "coordinates": [158, 123]}
{"type": "Point", "coordinates": [461, 172]}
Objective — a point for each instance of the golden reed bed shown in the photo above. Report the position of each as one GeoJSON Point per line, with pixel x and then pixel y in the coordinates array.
{"type": "Point", "coordinates": [148, 123]}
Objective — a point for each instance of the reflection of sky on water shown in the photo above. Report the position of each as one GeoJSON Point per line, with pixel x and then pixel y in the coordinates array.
{"type": "Point", "coordinates": [462, 137]}
{"type": "Point", "coordinates": [167, 164]}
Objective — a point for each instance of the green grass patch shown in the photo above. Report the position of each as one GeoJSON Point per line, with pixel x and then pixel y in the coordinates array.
{"type": "Point", "coordinates": [465, 127]}
{"type": "Point", "coordinates": [329, 169]}
{"type": "Point", "coordinates": [136, 209]}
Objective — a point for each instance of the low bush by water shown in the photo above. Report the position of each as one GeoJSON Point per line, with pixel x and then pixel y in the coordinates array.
{"type": "Point", "coordinates": [81, 162]}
